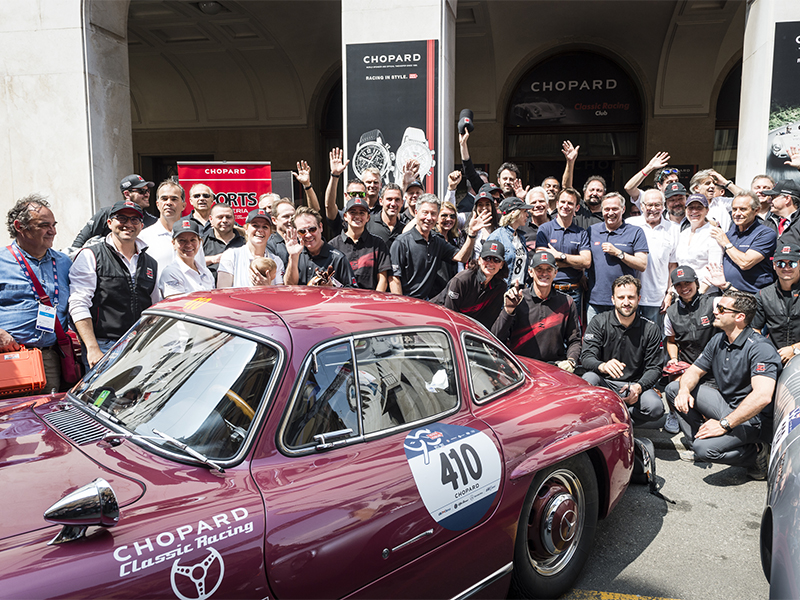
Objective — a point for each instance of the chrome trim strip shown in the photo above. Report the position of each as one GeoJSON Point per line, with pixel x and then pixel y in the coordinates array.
{"type": "Point", "coordinates": [485, 582]}
{"type": "Point", "coordinates": [416, 538]}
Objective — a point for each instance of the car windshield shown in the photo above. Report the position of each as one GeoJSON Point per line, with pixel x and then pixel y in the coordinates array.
{"type": "Point", "coordinates": [201, 386]}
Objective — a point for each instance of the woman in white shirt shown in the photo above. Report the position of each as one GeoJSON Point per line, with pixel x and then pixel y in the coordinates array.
{"type": "Point", "coordinates": [187, 272]}
{"type": "Point", "coordinates": [696, 247]}
{"type": "Point", "coordinates": [235, 263]}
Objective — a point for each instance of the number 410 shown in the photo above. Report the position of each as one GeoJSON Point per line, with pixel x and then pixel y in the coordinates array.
{"type": "Point", "coordinates": [467, 461]}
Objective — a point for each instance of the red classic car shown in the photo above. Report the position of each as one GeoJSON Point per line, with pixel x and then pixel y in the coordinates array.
{"type": "Point", "coordinates": [307, 443]}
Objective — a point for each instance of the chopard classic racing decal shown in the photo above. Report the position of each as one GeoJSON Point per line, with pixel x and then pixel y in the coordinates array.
{"type": "Point", "coordinates": [197, 567]}
{"type": "Point", "coordinates": [457, 471]}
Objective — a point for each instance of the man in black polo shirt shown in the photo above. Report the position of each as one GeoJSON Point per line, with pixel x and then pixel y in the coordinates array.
{"type": "Point", "coordinates": [221, 236]}
{"type": "Point", "coordinates": [282, 213]}
{"type": "Point", "coordinates": [367, 254]}
{"type": "Point", "coordinates": [388, 223]}
{"type": "Point", "coordinates": [622, 351]}
{"type": "Point", "coordinates": [309, 252]}
{"type": "Point", "coordinates": [417, 254]}
{"type": "Point", "coordinates": [779, 304]}
{"type": "Point", "coordinates": [540, 322]}
{"type": "Point", "coordinates": [725, 425]}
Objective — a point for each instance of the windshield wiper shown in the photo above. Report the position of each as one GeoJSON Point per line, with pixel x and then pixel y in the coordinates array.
{"type": "Point", "coordinates": [111, 437]}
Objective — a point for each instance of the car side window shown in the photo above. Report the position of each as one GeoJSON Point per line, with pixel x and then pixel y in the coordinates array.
{"type": "Point", "coordinates": [491, 370]}
{"type": "Point", "coordinates": [326, 399]}
{"type": "Point", "coordinates": [404, 378]}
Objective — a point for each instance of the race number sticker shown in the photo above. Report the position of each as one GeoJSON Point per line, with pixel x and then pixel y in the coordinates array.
{"type": "Point", "coordinates": [457, 471]}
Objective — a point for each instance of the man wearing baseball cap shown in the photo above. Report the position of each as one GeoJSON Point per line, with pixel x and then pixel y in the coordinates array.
{"type": "Point", "coordinates": [478, 290]}
{"type": "Point", "coordinates": [102, 303]}
{"type": "Point", "coordinates": [778, 305]}
{"type": "Point", "coordinates": [513, 215]}
{"type": "Point", "coordinates": [540, 322]}
{"type": "Point", "coordinates": [367, 254]}
{"type": "Point", "coordinates": [133, 188]}
{"type": "Point", "coordinates": [688, 325]}
{"type": "Point", "coordinates": [783, 216]}
{"type": "Point", "coordinates": [675, 204]}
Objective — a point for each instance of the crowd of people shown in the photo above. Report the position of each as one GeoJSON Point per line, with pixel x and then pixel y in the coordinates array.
{"type": "Point", "coordinates": [683, 301]}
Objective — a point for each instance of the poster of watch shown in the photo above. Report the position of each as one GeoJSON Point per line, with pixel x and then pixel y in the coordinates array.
{"type": "Point", "coordinates": [784, 110]}
{"type": "Point", "coordinates": [392, 104]}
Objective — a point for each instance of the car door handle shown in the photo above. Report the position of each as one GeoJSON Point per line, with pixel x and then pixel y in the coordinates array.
{"type": "Point", "coordinates": [386, 552]}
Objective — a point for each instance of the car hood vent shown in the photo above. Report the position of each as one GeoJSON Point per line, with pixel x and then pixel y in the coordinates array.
{"type": "Point", "coordinates": [76, 425]}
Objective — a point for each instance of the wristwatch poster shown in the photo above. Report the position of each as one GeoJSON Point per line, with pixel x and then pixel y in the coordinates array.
{"type": "Point", "coordinates": [372, 151]}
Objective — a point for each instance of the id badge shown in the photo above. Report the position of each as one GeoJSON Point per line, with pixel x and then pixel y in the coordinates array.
{"type": "Point", "coordinates": [46, 318]}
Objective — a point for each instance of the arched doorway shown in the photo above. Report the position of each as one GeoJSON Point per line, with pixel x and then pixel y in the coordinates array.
{"type": "Point", "coordinates": [579, 96]}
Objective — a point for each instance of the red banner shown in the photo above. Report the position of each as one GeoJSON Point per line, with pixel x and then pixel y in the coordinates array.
{"type": "Point", "coordinates": [237, 183]}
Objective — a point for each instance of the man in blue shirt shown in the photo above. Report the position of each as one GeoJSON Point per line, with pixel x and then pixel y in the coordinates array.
{"type": "Point", "coordinates": [747, 246]}
{"type": "Point", "coordinates": [617, 249]}
{"type": "Point", "coordinates": [569, 244]}
{"type": "Point", "coordinates": [32, 227]}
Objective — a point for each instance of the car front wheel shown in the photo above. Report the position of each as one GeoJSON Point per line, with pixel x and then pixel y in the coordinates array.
{"type": "Point", "coordinates": [556, 529]}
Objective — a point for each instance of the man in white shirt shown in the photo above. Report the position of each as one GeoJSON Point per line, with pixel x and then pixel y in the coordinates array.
{"type": "Point", "coordinates": [662, 240]}
{"type": "Point", "coordinates": [170, 200]}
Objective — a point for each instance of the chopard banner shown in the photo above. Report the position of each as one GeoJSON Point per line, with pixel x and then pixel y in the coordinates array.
{"type": "Point", "coordinates": [392, 107]}
{"type": "Point", "coordinates": [578, 88]}
{"type": "Point", "coordinates": [237, 183]}
{"type": "Point", "coordinates": [784, 110]}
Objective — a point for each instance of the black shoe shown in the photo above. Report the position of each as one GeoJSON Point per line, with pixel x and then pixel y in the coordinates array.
{"type": "Point", "coordinates": [761, 467]}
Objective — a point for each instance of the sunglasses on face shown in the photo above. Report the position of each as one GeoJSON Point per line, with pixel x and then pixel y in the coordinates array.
{"type": "Point", "coordinates": [142, 191]}
{"type": "Point", "coordinates": [724, 309]}
{"type": "Point", "coordinates": [201, 195]}
{"type": "Point", "coordinates": [783, 264]}
{"type": "Point", "coordinates": [307, 230]}
{"type": "Point", "coordinates": [492, 259]}
{"type": "Point", "coordinates": [123, 219]}
{"type": "Point", "coordinates": [448, 217]}
{"type": "Point", "coordinates": [357, 194]}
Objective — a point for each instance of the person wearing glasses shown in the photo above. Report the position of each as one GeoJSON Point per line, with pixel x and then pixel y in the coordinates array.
{"type": "Point", "coordinates": [784, 216]}
{"type": "Point", "coordinates": [730, 424]}
{"type": "Point", "coordinates": [540, 322]}
{"type": "Point", "coordinates": [309, 253]}
{"type": "Point", "coordinates": [478, 290]}
{"type": "Point", "coordinates": [779, 304]}
{"type": "Point", "coordinates": [355, 188]}
{"type": "Point", "coordinates": [202, 199]}
{"type": "Point", "coordinates": [235, 264]}
{"type": "Point", "coordinates": [112, 282]}
{"type": "Point", "coordinates": [133, 188]}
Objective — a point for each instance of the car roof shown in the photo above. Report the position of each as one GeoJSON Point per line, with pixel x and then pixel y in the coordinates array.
{"type": "Point", "coordinates": [314, 312]}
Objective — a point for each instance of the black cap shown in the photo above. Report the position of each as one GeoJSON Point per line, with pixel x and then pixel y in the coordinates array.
{"type": "Point", "coordinates": [416, 183]}
{"type": "Point", "coordinates": [697, 198]}
{"type": "Point", "coordinates": [784, 187]}
{"type": "Point", "coordinates": [674, 189]}
{"type": "Point", "coordinates": [512, 203]}
{"type": "Point", "coordinates": [465, 121]}
{"type": "Point", "coordinates": [355, 201]}
{"type": "Point", "coordinates": [258, 213]}
{"type": "Point", "coordinates": [134, 182]}
{"type": "Point", "coordinates": [185, 225]}
{"type": "Point", "coordinates": [787, 252]}
{"type": "Point", "coordinates": [123, 204]}
{"type": "Point", "coordinates": [542, 257]}
{"type": "Point", "coordinates": [683, 273]}
{"type": "Point", "coordinates": [493, 248]}
{"type": "Point", "coordinates": [490, 188]}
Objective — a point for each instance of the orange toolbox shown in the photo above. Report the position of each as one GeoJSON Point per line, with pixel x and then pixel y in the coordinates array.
{"type": "Point", "coordinates": [21, 372]}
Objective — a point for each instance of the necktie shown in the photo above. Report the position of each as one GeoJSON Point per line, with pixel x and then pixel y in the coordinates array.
{"type": "Point", "coordinates": [781, 225]}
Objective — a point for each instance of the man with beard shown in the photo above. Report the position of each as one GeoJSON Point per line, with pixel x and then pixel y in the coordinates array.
{"type": "Point", "coordinates": [622, 352]}
{"type": "Point", "coordinates": [675, 197]}
{"type": "Point", "coordinates": [569, 244]}
{"type": "Point", "coordinates": [221, 236]}
{"type": "Point", "coordinates": [417, 254]}
{"type": "Point", "coordinates": [540, 322]}
{"type": "Point", "coordinates": [507, 176]}
{"type": "Point", "coordinates": [389, 223]}
{"type": "Point", "coordinates": [760, 184]}
{"type": "Point", "coordinates": [308, 253]}
{"type": "Point", "coordinates": [617, 249]}
{"type": "Point", "coordinates": [591, 211]}
{"type": "Point", "coordinates": [730, 424]}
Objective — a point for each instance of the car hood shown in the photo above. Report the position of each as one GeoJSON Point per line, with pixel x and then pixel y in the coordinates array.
{"type": "Point", "coordinates": [39, 467]}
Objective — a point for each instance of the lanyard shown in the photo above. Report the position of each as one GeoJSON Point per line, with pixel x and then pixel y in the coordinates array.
{"type": "Point", "coordinates": [23, 265]}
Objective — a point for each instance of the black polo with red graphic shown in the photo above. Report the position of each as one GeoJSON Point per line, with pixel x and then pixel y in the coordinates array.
{"type": "Point", "coordinates": [367, 257]}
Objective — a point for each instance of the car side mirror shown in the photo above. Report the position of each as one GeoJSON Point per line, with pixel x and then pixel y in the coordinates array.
{"type": "Point", "coordinates": [93, 504]}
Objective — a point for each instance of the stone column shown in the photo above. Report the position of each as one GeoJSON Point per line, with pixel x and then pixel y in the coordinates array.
{"type": "Point", "coordinates": [759, 48]}
{"type": "Point", "coordinates": [368, 22]}
{"type": "Point", "coordinates": [65, 126]}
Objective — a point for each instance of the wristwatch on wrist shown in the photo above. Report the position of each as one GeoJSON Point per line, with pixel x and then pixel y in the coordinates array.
{"type": "Point", "coordinates": [371, 151]}
{"type": "Point", "coordinates": [728, 246]}
{"type": "Point", "coordinates": [563, 257]}
{"type": "Point", "coordinates": [795, 349]}
{"type": "Point", "coordinates": [725, 425]}
{"type": "Point", "coordinates": [621, 254]}
{"type": "Point", "coordinates": [414, 145]}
